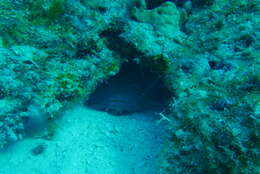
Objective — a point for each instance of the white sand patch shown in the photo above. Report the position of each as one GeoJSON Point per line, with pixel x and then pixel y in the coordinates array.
{"type": "Point", "coordinates": [91, 142]}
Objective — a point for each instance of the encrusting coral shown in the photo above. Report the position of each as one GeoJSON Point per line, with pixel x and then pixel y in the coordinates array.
{"type": "Point", "coordinates": [54, 53]}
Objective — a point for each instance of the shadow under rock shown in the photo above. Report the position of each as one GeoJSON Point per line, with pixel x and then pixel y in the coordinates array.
{"type": "Point", "coordinates": [133, 89]}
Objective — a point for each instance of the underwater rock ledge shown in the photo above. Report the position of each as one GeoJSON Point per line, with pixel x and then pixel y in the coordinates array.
{"type": "Point", "coordinates": [54, 53]}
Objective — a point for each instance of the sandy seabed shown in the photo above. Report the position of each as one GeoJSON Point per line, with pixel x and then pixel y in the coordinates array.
{"type": "Point", "coordinates": [91, 142]}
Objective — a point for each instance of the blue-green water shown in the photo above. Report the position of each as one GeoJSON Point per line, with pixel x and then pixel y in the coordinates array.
{"type": "Point", "coordinates": [129, 86]}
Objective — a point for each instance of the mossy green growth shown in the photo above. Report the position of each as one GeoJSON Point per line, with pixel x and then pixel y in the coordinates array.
{"type": "Point", "coordinates": [56, 9]}
{"type": "Point", "coordinates": [44, 12]}
{"type": "Point", "coordinates": [1, 42]}
{"type": "Point", "coordinates": [160, 63]}
{"type": "Point", "coordinates": [13, 24]}
{"type": "Point", "coordinates": [69, 86]}
{"type": "Point", "coordinates": [113, 68]}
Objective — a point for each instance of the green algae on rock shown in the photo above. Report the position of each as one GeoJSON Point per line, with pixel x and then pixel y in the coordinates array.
{"type": "Point", "coordinates": [165, 18]}
{"type": "Point", "coordinates": [54, 53]}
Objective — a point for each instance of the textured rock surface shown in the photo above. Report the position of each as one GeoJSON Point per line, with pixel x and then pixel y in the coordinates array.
{"type": "Point", "coordinates": [165, 18]}
{"type": "Point", "coordinates": [55, 53]}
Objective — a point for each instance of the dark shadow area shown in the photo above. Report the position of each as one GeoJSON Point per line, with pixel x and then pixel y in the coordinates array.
{"type": "Point", "coordinates": [151, 4]}
{"type": "Point", "coordinates": [35, 124]}
{"type": "Point", "coordinates": [117, 44]}
{"type": "Point", "coordinates": [133, 89]}
{"type": "Point", "coordinates": [202, 3]}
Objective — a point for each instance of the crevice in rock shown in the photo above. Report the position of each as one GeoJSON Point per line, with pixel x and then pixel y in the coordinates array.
{"type": "Point", "coordinates": [133, 89]}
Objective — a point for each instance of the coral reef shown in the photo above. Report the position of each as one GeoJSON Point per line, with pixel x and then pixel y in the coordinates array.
{"type": "Point", "coordinates": [46, 62]}
{"type": "Point", "coordinates": [54, 53]}
{"type": "Point", "coordinates": [215, 112]}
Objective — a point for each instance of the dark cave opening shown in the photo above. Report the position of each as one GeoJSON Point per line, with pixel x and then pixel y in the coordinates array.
{"type": "Point", "coordinates": [134, 89]}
